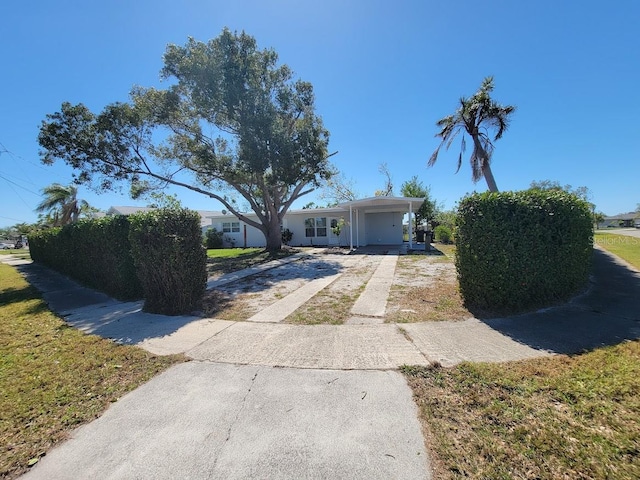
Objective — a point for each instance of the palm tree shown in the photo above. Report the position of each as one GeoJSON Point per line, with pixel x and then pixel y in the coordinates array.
{"type": "Point", "coordinates": [476, 116]}
{"type": "Point", "coordinates": [62, 203]}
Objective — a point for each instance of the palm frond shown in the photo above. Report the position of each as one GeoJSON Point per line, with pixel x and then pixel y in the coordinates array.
{"type": "Point", "coordinates": [434, 157]}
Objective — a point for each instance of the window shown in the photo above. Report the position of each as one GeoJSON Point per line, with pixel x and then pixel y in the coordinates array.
{"type": "Point", "coordinates": [315, 227]}
{"type": "Point", "coordinates": [321, 227]}
{"type": "Point", "coordinates": [309, 227]}
{"type": "Point", "coordinates": [231, 227]}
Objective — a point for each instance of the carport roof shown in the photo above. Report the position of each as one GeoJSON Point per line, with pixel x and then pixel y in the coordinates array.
{"type": "Point", "coordinates": [385, 203]}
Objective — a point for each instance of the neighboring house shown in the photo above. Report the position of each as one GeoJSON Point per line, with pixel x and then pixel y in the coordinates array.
{"type": "Point", "coordinates": [205, 215]}
{"type": "Point", "coordinates": [370, 221]}
{"type": "Point", "coordinates": [623, 220]}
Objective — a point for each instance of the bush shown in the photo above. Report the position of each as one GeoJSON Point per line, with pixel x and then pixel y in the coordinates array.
{"type": "Point", "coordinates": [287, 235]}
{"type": "Point", "coordinates": [167, 250]}
{"type": "Point", "coordinates": [443, 234]}
{"type": "Point", "coordinates": [517, 250]}
{"type": "Point", "coordinates": [95, 252]}
{"type": "Point", "coordinates": [213, 238]}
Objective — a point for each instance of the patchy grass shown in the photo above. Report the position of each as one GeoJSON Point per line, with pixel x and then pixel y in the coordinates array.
{"type": "Point", "coordinates": [224, 306]}
{"type": "Point", "coordinates": [627, 248]}
{"type": "Point", "coordinates": [225, 260]}
{"type": "Point", "coordinates": [557, 417]}
{"type": "Point", "coordinates": [440, 300]}
{"type": "Point", "coordinates": [333, 304]}
{"type": "Point", "coordinates": [448, 249]}
{"type": "Point", "coordinates": [326, 307]}
{"type": "Point", "coordinates": [53, 377]}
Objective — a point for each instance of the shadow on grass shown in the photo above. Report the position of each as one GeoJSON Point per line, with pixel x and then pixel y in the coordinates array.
{"type": "Point", "coordinates": [607, 314]}
{"type": "Point", "coordinates": [245, 260]}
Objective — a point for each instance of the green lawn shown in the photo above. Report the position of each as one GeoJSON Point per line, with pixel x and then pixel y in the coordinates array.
{"type": "Point", "coordinates": [53, 377]}
{"type": "Point", "coordinates": [627, 248]}
{"type": "Point", "coordinates": [225, 260]}
{"type": "Point", "coordinates": [557, 417]}
{"type": "Point", "coordinates": [232, 252]}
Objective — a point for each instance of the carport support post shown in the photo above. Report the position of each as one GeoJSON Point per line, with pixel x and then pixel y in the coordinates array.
{"type": "Point", "coordinates": [350, 227]}
{"type": "Point", "coordinates": [410, 230]}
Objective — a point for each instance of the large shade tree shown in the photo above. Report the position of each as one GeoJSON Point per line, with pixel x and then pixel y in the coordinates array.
{"type": "Point", "coordinates": [232, 123]}
{"type": "Point", "coordinates": [61, 204]}
{"type": "Point", "coordinates": [477, 116]}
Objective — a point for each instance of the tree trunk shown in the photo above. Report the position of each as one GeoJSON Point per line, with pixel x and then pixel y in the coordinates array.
{"type": "Point", "coordinates": [273, 235]}
{"type": "Point", "coordinates": [488, 176]}
{"type": "Point", "coordinates": [486, 167]}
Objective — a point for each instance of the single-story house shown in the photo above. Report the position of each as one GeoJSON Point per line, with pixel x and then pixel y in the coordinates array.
{"type": "Point", "coordinates": [623, 220]}
{"type": "Point", "coordinates": [369, 221]}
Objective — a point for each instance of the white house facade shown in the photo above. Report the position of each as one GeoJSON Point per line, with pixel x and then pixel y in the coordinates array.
{"type": "Point", "coordinates": [369, 221]}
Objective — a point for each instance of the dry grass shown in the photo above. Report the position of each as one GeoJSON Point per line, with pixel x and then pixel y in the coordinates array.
{"type": "Point", "coordinates": [553, 418]}
{"type": "Point", "coordinates": [224, 306]}
{"type": "Point", "coordinates": [333, 304]}
{"type": "Point", "coordinates": [440, 300]}
{"type": "Point", "coordinates": [54, 378]}
{"type": "Point", "coordinates": [327, 307]}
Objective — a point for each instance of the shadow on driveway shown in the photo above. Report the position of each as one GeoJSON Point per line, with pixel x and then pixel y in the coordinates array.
{"type": "Point", "coordinates": [608, 314]}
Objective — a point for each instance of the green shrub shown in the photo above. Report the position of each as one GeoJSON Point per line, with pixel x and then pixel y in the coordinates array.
{"type": "Point", "coordinates": [443, 234]}
{"type": "Point", "coordinates": [287, 235]}
{"type": "Point", "coordinates": [170, 260]}
{"type": "Point", "coordinates": [94, 252]}
{"type": "Point", "coordinates": [213, 238]}
{"type": "Point", "coordinates": [517, 250]}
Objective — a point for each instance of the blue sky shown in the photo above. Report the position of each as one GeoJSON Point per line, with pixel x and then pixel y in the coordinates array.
{"type": "Point", "coordinates": [383, 72]}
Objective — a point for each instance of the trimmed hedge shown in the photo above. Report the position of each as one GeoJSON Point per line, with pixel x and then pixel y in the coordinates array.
{"type": "Point", "coordinates": [95, 252]}
{"type": "Point", "coordinates": [170, 259]}
{"type": "Point", "coordinates": [518, 250]}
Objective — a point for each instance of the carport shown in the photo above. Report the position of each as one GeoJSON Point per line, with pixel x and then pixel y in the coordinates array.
{"type": "Point", "coordinates": [378, 220]}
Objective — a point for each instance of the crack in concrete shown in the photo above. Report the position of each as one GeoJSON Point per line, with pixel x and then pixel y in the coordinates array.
{"type": "Point", "coordinates": [406, 335]}
{"type": "Point", "coordinates": [232, 424]}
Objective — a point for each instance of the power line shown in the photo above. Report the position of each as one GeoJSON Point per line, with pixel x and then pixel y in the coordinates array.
{"type": "Point", "coordinates": [18, 185]}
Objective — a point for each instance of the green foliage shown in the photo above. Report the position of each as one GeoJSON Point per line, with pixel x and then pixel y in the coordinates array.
{"type": "Point", "coordinates": [287, 235]}
{"type": "Point", "coordinates": [517, 250]}
{"type": "Point", "coordinates": [237, 122]}
{"type": "Point", "coordinates": [170, 260]}
{"type": "Point", "coordinates": [446, 217]}
{"type": "Point", "coordinates": [213, 238]}
{"type": "Point", "coordinates": [94, 252]}
{"type": "Point", "coordinates": [416, 189]}
{"type": "Point", "coordinates": [443, 234]}
{"type": "Point", "coordinates": [581, 192]}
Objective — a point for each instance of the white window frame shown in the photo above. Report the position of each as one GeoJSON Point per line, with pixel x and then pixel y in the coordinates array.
{"type": "Point", "coordinates": [315, 227]}
{"type": "Point", "coordinates": [230, 227]}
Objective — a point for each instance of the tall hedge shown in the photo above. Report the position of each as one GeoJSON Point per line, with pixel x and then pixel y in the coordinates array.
{"type": "Point", "coordinates": [170, 259]}
{"type": "Point", "coordinates": [517, 250]}
{"type": "Point", "coordinates": [95, 252]}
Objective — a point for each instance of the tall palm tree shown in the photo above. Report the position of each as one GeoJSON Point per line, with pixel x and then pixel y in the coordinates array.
{"type": "Point", "coordinates": [476, 116]}
{"type": "Point", "coordinates": [62, 203]}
